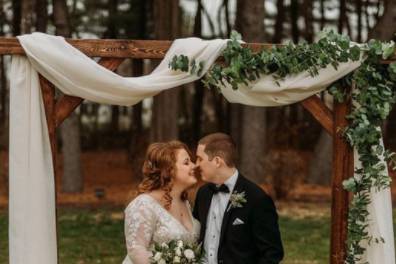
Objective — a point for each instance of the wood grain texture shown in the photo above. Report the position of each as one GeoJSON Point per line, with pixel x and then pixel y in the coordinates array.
{"type": "Point", "coordinates": [48, 95]}
{"type": "Point", "coordinates": [342, 169]}
{"type": "Point", "coordinates": [138, 49]}
{"type": "Point", "coordinates": [320, 112]}
{"type": "Point", "coordinates": [124, 48]}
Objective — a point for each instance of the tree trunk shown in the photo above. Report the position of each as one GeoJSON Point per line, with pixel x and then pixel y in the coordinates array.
{"type": "Point", "coordinates": [165, 108]}
{"type": "Point", "coordinates": [138, 142]}
{"type": "Point", "coordinates": [280, 17]}
{"type": "Point", "coordinates": [198, 86]}
{"type": "Point", "coordinates": [27, 16]}
{"type": "Point", "coordinates": [139, 10]}
{"type": "Point", "coordinates": [16, 17]}
{"type": "Point", "coordinates": [322, 14]}
{"type": "Point", "coordinates": [359, 14]}
{"type": "Point", "coordinates": [165, 115]}
{"type": "Point", "coordinates": [42, 15]}
{"type": "Point", "coordinates": [294, 15]}
{"type": "Point", "coordinates": [383, 29]}
{"type": "Point", "coordinates": [249, 21]}
{"type": "Point", "coordinates": [308, 21]}
{"type": "Point", "coordinates": [3, 91]}
{"type": "Point", "coordinates": [320, 166]}
{"type": "Point", "coordinates": [275, 113]}
{"type": "Point", "coordinates": [227, 17]}
{"type": "Point", "coordinates": [72, 178]}
{"type": "Point", "coordinates": [3, 88]}
{"type": "Point", "coordinates": [61, 19]}
{"type": "Point", "coordinates": [138, 139]}
{"type": "Point", "coordinates": [342, 20]}
{"type": "Point", "coordinates": [112, 33]}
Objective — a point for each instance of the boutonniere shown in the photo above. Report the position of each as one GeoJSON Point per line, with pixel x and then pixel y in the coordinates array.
{"type": "Point", "coordinates": [237, 200]}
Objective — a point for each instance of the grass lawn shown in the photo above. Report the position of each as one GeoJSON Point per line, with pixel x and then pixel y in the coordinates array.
{"type": "Point", "coordinates": [88, 236]}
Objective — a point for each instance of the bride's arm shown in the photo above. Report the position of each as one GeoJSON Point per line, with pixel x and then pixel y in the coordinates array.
{"type": "Point", "coordinates": [139, 228]}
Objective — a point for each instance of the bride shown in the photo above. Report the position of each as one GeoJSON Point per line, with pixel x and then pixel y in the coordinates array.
{"type": "Point", "coordinates": [161, 211]}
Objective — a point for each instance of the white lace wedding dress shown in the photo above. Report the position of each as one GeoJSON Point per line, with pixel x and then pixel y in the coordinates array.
{"type": "Point", "coordinates": [146, 222]}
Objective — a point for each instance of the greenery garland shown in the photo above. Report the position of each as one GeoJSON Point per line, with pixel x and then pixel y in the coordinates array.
{"type": "Point", "coordinates": [373, 96]}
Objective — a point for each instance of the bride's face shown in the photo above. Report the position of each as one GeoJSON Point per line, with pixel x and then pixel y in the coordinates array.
{"type": "Point", "coordinates": [185, 169]}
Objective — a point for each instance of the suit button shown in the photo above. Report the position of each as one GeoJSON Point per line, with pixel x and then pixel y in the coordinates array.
{"type": "Point", "coordinates": [220, 261]}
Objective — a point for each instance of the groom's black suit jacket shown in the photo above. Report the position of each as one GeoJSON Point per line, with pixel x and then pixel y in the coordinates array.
{"type": "Point", "coordinates": [258, 240]}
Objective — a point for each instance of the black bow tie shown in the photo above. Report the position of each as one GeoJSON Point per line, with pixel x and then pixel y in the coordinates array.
{"type": "Point", "coordinates": [216, 189]}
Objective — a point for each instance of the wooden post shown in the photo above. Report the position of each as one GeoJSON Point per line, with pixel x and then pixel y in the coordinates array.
{"type": "Point", "coordinates": [48, 94]}
{"type": "Point", "coordinates": [342, 169]}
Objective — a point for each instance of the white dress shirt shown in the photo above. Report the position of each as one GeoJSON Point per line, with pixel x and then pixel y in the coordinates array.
{"type": "Point", "coordinates": [215, 218]}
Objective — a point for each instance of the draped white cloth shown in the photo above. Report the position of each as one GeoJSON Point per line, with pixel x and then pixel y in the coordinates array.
{"type": "Point", "coordinates": [32, 199]}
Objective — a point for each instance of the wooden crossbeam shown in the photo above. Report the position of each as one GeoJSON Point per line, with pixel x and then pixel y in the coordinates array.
{"type": "Point", "coordinates": [123, 48]}
{"type": "Point", "coordinates": [113, 48]}
{"type": "Point", "coordinates": [320, 112]}
{"type": "Point", "coordinates": [66, 104]}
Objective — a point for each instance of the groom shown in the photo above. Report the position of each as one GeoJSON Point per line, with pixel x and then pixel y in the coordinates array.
{"type": "Point", "coordinates": [239, 223]}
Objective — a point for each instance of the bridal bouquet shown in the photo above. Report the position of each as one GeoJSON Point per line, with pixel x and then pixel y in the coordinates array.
{"type": "Point", "coordinates": [176, 251]}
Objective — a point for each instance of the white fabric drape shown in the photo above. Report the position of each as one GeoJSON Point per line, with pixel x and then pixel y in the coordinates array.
{"type": "Point", "coordinates": [32, 203]}
{"type": "Point", "coordinates": [381, 221]}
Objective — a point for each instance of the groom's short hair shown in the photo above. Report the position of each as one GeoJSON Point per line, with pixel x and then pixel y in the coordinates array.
{"type": "Point", "coordinates": [221, 145]}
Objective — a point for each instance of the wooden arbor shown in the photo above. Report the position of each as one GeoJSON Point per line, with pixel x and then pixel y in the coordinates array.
{"type": "Point", "coordinates": [113, 52]}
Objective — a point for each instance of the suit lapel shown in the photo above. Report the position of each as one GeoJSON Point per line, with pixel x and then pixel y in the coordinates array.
{"type": "Point", "coordinates": [227, 214]}
{"type": "Point", "coordinates": [205, 210]}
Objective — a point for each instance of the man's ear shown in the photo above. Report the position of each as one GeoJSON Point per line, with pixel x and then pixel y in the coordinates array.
{"type": "Point", "coordinates": [218, 161]}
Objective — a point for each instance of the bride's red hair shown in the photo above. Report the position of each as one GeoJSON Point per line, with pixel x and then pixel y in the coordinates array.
{"type": "Point", "coordinates": [159, 169]}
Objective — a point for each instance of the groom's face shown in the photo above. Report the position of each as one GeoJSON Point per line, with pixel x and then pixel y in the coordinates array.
{"type": "Point", "coordinates": [206, 167]}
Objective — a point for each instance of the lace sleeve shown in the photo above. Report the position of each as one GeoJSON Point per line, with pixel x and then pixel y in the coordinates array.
{"type": "Point", "coordinates": [139, 228]}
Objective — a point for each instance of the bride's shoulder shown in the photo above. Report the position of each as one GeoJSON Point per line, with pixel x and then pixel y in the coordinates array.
{"type": "Point", "coordinates": [142, 200]}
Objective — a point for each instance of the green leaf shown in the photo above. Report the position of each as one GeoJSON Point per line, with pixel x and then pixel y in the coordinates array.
{"type": "Point", "coordinates": [235, 35]}
{"type": "Point", "coordinates": [388, 49]}
{"type": "Point", "coordinates": [355, 53]}
{"type": "Point", "coordinates": [349, 185]}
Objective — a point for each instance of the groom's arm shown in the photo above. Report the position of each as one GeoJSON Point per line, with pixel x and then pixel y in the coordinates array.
{"type": "Point", "coordinates": [266, 232]}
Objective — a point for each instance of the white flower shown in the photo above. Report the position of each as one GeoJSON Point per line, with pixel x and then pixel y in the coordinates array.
{"type": "Point", "coordinates": [164, 245]}
{"type": "Point", "coordinates": [157, 256]}
{"type": "Point", "coordinates": [161, 261]}
{"type": "Point", "coordinates": [237, 200]}
{"type": "Point", "coordinates": [189, 254]}
{"type": "Point", "coordinates": [178, 251]}
{"type": "Point", "coordinates": [176, 259]}
{"type": "Point", "coordinates": [180, 243]}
